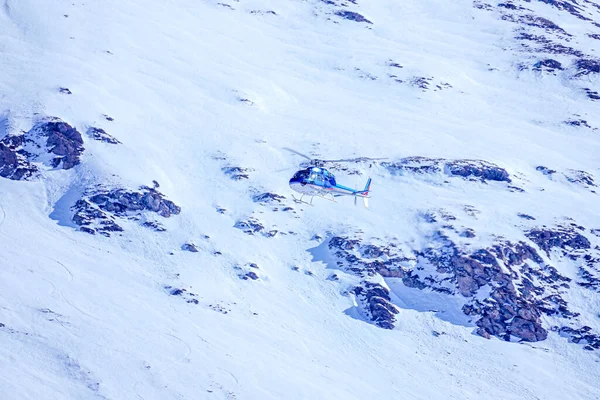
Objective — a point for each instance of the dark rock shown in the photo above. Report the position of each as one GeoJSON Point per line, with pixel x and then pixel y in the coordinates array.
{"type": "Point", "coordinates": [561, 237]}
{"type": "Point", "coordinates": [421, 82]}
{"type": "Point", "coordinates": [98, 208]}
{"type": "Point", "coordinates": [272, 233]}
{"type": "Point", "coordinates": [122, 201]}
{"type": "Point", "coordinates": [249, 226]}
{"type": "Point", "coordinates": [587, 66]}
{"type": "Point", "coordinates": [190, 247]}
{"type": "Point", "coordinates": [352, 16]}
{"type": "Point", "coordinates": [177, 292]}
{"type": "Point", "coordinates": [483, 333]}
{"type": "Point", "coordinates": [548, 65]}
{"type": "Point", "coordinates": [251, 275]}
{"type": "Point", "coordinates": [236, 173]}
{"type": "Point", "coordinates": [527, 217]}
{"type": "Point", "coordinates": [478, 169]}
{"type": "Point", "coordinates": [14, 163]}
{"type": "Point", "coordinates": [582, 336]}
{"type": "Point", "coordinates": [577, 122]}
{"type": "Point", "coordinates": [530, 331]}
{"type": "Point", "coordinates": [62, 140]}
{"type": "Point", "coordinates": [512, 307]}
{"type": "Point", "coordinates": [377, 304]}
{"type": "Point", "coordinates": [18, 152]}
{"type": "Point", "coordinates": [482, 170]}
{"type": "Point", "coordinates": [101, 135]}
{"type": "Point", "coordinates": [64, 90]}
{"type": "Point", "coordinates": [592, 94]}
{"type": "Point", "coordinates": [468, 233]}
{"type": "Point", "coordinates": [154, 225]}
{"type": "Point", "coordinates": [545, 170]}
{"type": "Point", "coordinates": [535, 21]}
{"type": "Point", "coordinates": [268, 198]}
{"type": "Point", "coordinates": [263, 12]}
{"type": "Point", "coordinates": [581, 177]}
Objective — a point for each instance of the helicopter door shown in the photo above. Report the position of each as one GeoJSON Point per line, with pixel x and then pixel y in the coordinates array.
{"type": "Point", "coordinates": [319, 180]}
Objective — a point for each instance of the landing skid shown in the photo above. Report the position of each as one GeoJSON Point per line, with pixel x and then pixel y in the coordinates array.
{"type": "Point", "coordinates": [300, 200]}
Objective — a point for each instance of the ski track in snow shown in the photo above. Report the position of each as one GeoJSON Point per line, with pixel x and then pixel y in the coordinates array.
{"type": "Point", "coordinates": [2, 215]}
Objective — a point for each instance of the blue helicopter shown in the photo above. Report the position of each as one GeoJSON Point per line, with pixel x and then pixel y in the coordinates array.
{"type": "Point", "coordinates": [318, 181]}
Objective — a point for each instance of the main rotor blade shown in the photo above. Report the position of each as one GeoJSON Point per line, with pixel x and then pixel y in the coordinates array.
{"type": "Point", "coordinates": [298, 153]}
{"type": "Point", "coordinates": [358, 159]}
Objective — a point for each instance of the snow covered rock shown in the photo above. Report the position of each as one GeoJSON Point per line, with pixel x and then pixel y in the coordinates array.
{"type": "Point", "coordinates": [566, 238]}
{"type": "Point", "coordinates": [191, 247]}
{"type": "Point", "coordinates": [54, 138]}
{"type": "Point", "coordinates": [470, 169]}
{"type": "Point", "coordinates": [376, 302]}
{"type": "Point", "coordinates": [101, 135]}
{"type": "Point", "coordinates": [507, 287]}
{"type": "Point", "coordinates": [62, 140]}
{"type": "Point", "coordinates": [98, 209]}
{"type": "Point", "coordinates": [14, 163]}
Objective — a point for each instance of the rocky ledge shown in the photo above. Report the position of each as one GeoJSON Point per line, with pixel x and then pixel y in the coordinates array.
{"type": "Point", "coordinates": [99, 209]}
{"type": "Point", "coordinates": [505, 289]}
{"type": "Point", "coordinates": [51, 142]}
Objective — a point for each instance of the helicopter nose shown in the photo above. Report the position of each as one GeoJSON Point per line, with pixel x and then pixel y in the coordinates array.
{"type": "Point", "coordinates": [296, 185]}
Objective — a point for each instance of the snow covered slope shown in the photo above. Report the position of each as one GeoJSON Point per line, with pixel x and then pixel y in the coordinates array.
{"type": "Point", "coordinates": [151, 247]}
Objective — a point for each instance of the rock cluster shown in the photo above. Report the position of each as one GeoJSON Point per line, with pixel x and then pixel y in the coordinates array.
{"type": "Point", "coordinates": [376, 302]}
{"type": "Point", "coordinates": [101, 135]}
{"type": "Point", "coordinates": [98, 210]}
{"type": "Point", "coordinates": [469, 169]}
{"type": "Point", "coordinates": [507, 287]}
{"type": "Point", "coordinates": [62, 140]}
{"type": "Point", "coordinates": [19, 152]}
{"type": "Point", "coordinates": [352, 16]}
{"type": "Point", "coordinates": [14, 160]}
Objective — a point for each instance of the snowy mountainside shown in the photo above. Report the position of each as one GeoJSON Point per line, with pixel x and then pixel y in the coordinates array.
{"type": "Point", "coordinates": [152, 247]}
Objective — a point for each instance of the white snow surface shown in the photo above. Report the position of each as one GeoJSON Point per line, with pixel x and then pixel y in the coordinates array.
{"type": "Point", "coordinates": [88, 317]}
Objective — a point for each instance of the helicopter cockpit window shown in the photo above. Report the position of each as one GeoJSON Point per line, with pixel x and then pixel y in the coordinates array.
{"type": "Point", "coordinates": [301, 175]}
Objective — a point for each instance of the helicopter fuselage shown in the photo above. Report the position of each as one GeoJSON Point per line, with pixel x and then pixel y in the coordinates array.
{"type": "Point", "coordinates": [316, 181]}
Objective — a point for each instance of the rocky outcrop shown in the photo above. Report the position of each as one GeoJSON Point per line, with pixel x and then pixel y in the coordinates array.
{"type": "Point", "coordinates": [506, 288]}
{"type": "Point", "coordinates": [237, 173]}
{"type": "Point", "coordinates": [249, 226]}
{"type": "Point", "coordinates": [352, 16]}
{"type": "Point", "coordinates": [14, 160]}
{"type": "Point", "coordinates": [61, 140]}
{"type": "Point", "coordinates": [582, 335]}
{"type": "Point", "coordinates": [99, 209]}
{"type": "Point", "coordinates": [20, 152]}
{"type": "Point", "coordinates": [375, 300]}
{"type": "Point", "coordinates": [191, 247]}
{"type": "Point", "coordinates": [566, 238]}
{"type": "Point", "coordinates": [468, 169]}
{"type": "Point", "coordinates": [268, 198]}
{"type": "Point", "coordinates": [101, 135]}
{"type": "Point", "coordinates": [536, 34]}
